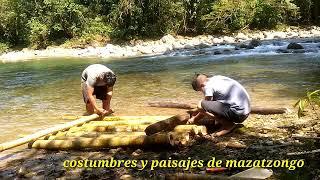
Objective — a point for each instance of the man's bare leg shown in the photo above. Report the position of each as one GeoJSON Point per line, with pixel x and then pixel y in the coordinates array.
{"type": "Point", "coordinates": [226, 127]}
{"type": "Point", "coordinates": [90, 108]}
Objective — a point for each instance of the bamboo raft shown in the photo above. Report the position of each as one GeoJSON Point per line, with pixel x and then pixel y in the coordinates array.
{"type": "Point", "coordinates": [92, 132]}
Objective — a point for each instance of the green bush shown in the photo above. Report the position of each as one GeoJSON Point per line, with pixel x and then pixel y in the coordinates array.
{"type": "Point", "coordinates": [311, 99]}
{"type": "Point", "coordinates": [230, 15]}
{"type": "Point", "coordinates": [3, 47]}
{"type": "Point", "coordinates": [143, 19]}
{"type": "Point", "coordinates": [97, 27]}
{"type": "Point", "coordinates": [39, 33]}
{"type": "Point", "coordinates": [13, 21]}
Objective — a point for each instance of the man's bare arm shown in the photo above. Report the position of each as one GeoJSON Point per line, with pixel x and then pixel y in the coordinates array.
{"type": "Point", "coordinates": [106, 104]}
{"type": "Point", "coordinates": [92, 99]}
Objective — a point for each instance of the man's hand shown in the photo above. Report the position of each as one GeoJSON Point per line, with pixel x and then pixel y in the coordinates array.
{"type": "Point", "coordinates": [104, 112]}
{"type": "Point", "coordinates": [191, 120]}
{"type": "Point", "coordinates": [101, 111]}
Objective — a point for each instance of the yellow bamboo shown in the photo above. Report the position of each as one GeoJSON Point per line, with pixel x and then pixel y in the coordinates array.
{"type": "Point", "coordinates": [121, 122]}
{"type": "Point", "coordinates": [98, 143]}
{"type": "Point", "coordinates": [186, 128]}
{"type": "Point", "coordinates": [179, 138]}
{"type": "Point", "coordinates": [128, 118]}
{"type": "Point", "coordinates": [75, 135]}
{"type": "Point", "coordinates": [202, 130]}
{"type": "Point", "coordinates": [32, 137]}
{"type": "Point", "coordinates": [118, 128]}
{"type": "Point", "coordinates": [193, 129]}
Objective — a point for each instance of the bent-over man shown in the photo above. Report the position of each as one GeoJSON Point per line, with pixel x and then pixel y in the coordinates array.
{"type": "Point", "coordinates": [225, 100]}
{"type": "Point", "coordinates": [97, 80]}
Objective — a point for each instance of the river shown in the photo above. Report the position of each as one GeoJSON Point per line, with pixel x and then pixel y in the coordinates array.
{"type": "Point", "coordinates": [37, 94]}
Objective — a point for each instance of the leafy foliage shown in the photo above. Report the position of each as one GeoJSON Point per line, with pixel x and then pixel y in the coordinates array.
{"type": "Point", "coordinates": [3, 47]}
{"type": "Point", "coordinates": [39, 23]}
{"type": "Point", "coordinates": [310, 99]}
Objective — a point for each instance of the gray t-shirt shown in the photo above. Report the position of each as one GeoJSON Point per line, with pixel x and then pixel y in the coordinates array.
{"type": "Point", "coordinates": [93, 75]}
{"type": "Point", "coordinates": [228, 91]}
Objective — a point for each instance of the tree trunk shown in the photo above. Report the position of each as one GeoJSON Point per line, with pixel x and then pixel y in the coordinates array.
{"type": "Point", "coordinates": [167, 124]}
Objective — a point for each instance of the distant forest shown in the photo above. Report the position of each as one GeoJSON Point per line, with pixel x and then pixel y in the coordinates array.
{"type": "Point", "coordinates": [40, 23]}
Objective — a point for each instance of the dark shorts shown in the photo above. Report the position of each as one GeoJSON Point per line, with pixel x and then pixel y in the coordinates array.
{"type": "Point", "coordinates": [99, 91]}
{"type": "Point", "coordinates": [223, 111]}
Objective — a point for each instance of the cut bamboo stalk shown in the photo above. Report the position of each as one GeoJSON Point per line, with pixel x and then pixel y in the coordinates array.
{"type": "Point", "coordinates": [179, 138]}
{"type": "Point", "coordinates": [32, 137]}
{"type": "Point", "coordinates": [121, 122]}
{"type": "Point", "coordinates": [70, 136]}
{"type": "Point", "coordinates": [167, 124]}
{"type": "Point", "coordinates": [119, 128]}
{"type": "Point", "coordinates": [97, 143]}
{"type": "Point", "coordinates": [193, 129]}
{"type": "Point", "coordinates": [202, 130]}
{"type": "Point", "coordinates": [129, 118]}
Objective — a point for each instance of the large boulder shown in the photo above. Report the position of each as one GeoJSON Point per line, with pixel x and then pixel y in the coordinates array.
{"type": "Point", "coordinates": [168, 39]}
{"type": "Point", "coordinates": [254, 43]}
{"type": "Point", "coordinates": [295, 46]}
{"type": "Point", "coordinates": [241, 36]}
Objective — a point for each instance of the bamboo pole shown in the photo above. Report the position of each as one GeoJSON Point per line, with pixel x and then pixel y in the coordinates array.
{"type": "Point", "coordinates": [129, 118]}
{"type": "Point", "coordinates": [69, 136]}
{"type": "Point", "coordinates": [121, 122]}
{"type": "Point", "coordinates": [254, 109]}
{"type": "Point", "coordinates": [98, 143]}
{"type": "Point", "coordinates": [193, 129]}
{"type": "Point", "coordinates": [119, 128]}
{"type": "Point", "coordinates": [32, 137]}
{"type": "Point", "coordinates": [186, 128]}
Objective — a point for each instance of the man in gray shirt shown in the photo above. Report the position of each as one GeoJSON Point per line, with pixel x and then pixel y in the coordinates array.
{"type": "Point", "coordinates": [225, 100]}
{"type": "Point", "coordinates": [97, 80]}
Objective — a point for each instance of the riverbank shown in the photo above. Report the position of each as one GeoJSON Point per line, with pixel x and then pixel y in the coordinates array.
{"type": "Point", "coordinates": [167, 44]}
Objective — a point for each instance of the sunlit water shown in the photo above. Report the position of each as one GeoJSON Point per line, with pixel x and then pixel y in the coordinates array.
{"type": "Point", "coordinates": [36, 94]}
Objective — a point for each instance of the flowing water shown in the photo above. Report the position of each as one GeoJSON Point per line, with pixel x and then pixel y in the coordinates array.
{"type": "Point", "coordinates": [36, 94]}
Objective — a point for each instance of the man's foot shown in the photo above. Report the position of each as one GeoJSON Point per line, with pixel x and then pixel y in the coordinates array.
{"type": "Point", "coordinates": [225, 130]}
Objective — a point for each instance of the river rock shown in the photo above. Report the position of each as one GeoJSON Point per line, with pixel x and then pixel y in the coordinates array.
{"type": "Point", "coordinates": [177, 45]}
{"type": "Point", "coordinates": [254, 43]}
{"type": "Point", "coordinates": [145, 49]}
{"type": "Point", "coordinates": [241, 36]}
{"type": "Point", "coordinates": [315, 32]}
{"type": "Point", "coordinates": [282, 51]}
{"type": "Point", "coordinates": [268, 35]}
{"type": "Point", "coordinates": [188, 46]}
{"type": "Point", "coordinates": [228, 39]}
{"type": "Point", "coordinates": [280, 35]}
{"type": "Point", "coordinates": [295, 46]}
{"type": "Point", "coordinates": [217, 40]}
{"type": "Point", "coordinates": [126, 177]}
{"type": "Point", "coordinates": [217, 52]}
{"type": "Point", "coordinates": [203, 45]}
{"type": "Point", "coordinates": [168, 39]}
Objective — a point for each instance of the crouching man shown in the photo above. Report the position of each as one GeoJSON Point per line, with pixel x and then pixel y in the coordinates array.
{"type": "Point", "coordinates": [225, 101]}
{"type": "Point", "coordinates": [97, 80]}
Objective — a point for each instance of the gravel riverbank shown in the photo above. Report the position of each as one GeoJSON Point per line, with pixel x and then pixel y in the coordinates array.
{"type": "Point", "coordinates": [168, 44]}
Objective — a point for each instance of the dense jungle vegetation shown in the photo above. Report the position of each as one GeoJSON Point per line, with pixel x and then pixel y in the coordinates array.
{"type": "Point", "coordinates": [40, 23]}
